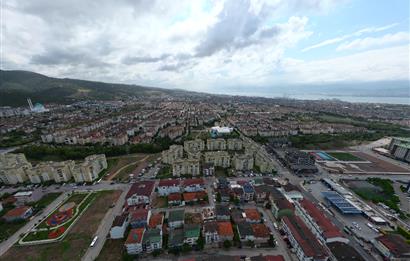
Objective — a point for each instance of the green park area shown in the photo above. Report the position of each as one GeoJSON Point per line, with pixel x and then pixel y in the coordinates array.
{"type": "Point", "coordinates": [382, 191]}
{"type": "Point", "coordinates": [344, 156]}
{"type": "Point", "coordinates": [9, 228]}
{"type": "Point", "coordinates": [59, 221]}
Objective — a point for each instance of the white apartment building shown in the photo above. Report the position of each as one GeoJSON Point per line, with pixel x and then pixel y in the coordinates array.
{"type": "Point", "coordinates": [186, 167]}
{"type": "Point", "coordinates": [243, 162]}
{"type": "Point", "coordinates": [216, 144]}
{"type": "Point", "coordinates": [218, 158]}
{"type": "Point", "coordinates": [174, 153]}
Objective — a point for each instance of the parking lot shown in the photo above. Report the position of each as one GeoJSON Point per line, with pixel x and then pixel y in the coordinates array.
{"type": "Point", "coordinates": [357, 223]}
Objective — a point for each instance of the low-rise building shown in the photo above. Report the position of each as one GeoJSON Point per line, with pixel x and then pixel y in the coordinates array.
{"type": "Point", "coordinates": [119, 226]}
{"type": "Point", "coordinates": [318, 223]}
{"type": "Point", "coordinates": [140, 193]}
{"type": "Point", "coordinates": [210, 232]}
{"type": "Point", "coordinates": [152, 240]}
{"type": "Point", "coordinates": [305, 244]}
{"type": "Point", "coordinates": [176, 238]}
{"type": "Point", "coordinates": [174, 199]}
{"type": "Point", "coordinates": [392, 247]}
{"type": "Point", "coordinates": [245, 232]}
{"type": "Point", "coordinates": [133, 244]}
{"type": "Point", "coordinates": [18, 213]}
{"type": "Point", "coordinates": [193, 185]}
{"type": "Point", "coordinates": [176, 218]}
{"type": "Point", "coordinates": [225, 231]}
{"type": "Point", "coordinates": [191, 233]}
{"type": "Point", "coordinates": [261, 234]}
{"type": "Point", "coordinates": [252, 215]}
{"type": "Point", "coordinates": [139, 217]}
{"type": "Point", "coordinates": [156, 220]}
{"type": "Point", "coordinates": [166, 187]}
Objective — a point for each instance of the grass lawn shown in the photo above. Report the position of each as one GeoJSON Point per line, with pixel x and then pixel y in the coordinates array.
{"type": "Point", "coordinates": [76, 243]}
{"type": "Point", "coordinates": [8, 229]}
{"type": "Point", "coordinates": [165, 172]}
{"type": "Point", "coordinates": [46, 200]}
{"type": "Point", "coordinates": [344, 156]}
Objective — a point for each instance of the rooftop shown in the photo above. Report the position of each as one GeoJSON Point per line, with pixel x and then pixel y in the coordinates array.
{"type": "Point", "coordinates": [176, 215]}
{"type": "Point", "coordinates": [135, 236]}
{"type": "Point", "coordinates": [252, 214]}
{"type": "Point", "coordinates": [225, 228]}
{"type": "Point", "coordinates": [396, 244]}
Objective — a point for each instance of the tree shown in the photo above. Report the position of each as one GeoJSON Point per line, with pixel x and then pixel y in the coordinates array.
{"type": "Point", "coordinates": [186, 248]}
{"type": "Point", "coordinates": [200, 243]}
{"type": "Point", "coordinates": [250, 243]}
{"type": "Point", "coordinates": [156, 252]}
{"type": "Point", "coordinates": [271, 241]}
{"type": "Point", "coordinates": [218, 197]}
{"type": "Point", "coordinates": [227, 244]}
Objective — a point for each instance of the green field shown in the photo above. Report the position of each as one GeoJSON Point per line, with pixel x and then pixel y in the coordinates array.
{"type": "Point", "coordinates": [344, 156]}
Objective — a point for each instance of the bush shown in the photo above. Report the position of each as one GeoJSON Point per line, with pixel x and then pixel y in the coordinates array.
{"type": "Point", "coordinates": [227, 244]}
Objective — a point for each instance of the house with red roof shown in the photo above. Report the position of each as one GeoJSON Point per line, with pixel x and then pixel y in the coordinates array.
{"type": "Point", "coordinates": [156, 220]}
{"type": "Point", "coordinates": [225, 231]}
{"type": "Point", "coordinates": [392, 247]}
{"type": "Point", "coordinates": [305, 243]}
{"type": "Point", "coordinates": [192, 197]}
{"type": "Point", "coordinates": [261, 234]}
{"type": "Point", "coordinates": [168, 186]}
{"type": "Point", "coordinates": [174, 199]}
{"type": "Point", "coordinates": [134, 241]}
{"type": "Point", "coordinates": [18, 213]}
{"type": "Point", "coordinates": [139, 217]}
{"type": "Point", "coordinates": [252, 215]}
{"type": "Point", "coordinates": [318, 223]}
{"type": "Point", "coordinates": [193, 185]}
{"type": "Point", "coordinates": [140, 193]}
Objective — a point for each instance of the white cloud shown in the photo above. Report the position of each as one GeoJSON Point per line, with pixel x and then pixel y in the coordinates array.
{"type": "Point", "coordinates": [347, 36]}
{"type": "Point", "coordinates": [374, 65]}
{"type": "Point", "coordinates": [371, 42]}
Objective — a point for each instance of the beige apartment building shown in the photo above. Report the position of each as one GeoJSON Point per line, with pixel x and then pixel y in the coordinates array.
{"type": "Point", "coordinates": [194, 145]}
{"type": "Point", "coordinates": [218, 158]}
{"type": "Point", "coordinates": [216, 144]}
{"type": "Point", "coordinates": [13, 168]}
{"type": "Point", "coordinates": [57, 171]}
{"type": "Point", "coordinates": [235, 144]}
{"type": "Point", "coordinates": [174, 152]}
{"type": "Point", "coordinates": [88, 170]}
{"type": "Point", "coordinates": [264, 162]}
{"type": "Point", "coordinates": [185, 167]}
{"type": "Point", "coordinates": [243, 162]}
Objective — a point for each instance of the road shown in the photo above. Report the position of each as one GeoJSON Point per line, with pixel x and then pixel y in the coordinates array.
{"type": "Point", "coordinates": [104, 228]}
{"type": "Point", "coordinates": [281, 245]}
{"type": "Point", "coordinates": [6, 245]}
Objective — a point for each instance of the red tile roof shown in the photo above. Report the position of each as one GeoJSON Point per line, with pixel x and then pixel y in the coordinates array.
{"type": "Point", "coordinates": [156, 220]}
{"type": "Point", "coordinates": [396, 244]}
{"type": "Point", "coordinates": [260, 230]}
{"type": "Point", "coordinates": [189, 182]}
{"type": "Point", "coordinates": [225, 228]}
{"type": "Point", "coordinates": [328, 228]}
{"type": "Point", "coordinates": [174, 197]}
{"type": "Point", "coordinates": [16, 212]}
{"type": "Point", "coordinates": [142, 188]}
{"type": "Point", "coordinates": [139, 214]}
{"type": "Point", "coordinates": [306, 240]}
{"type": "Point", "coordinates": [168, 182]}
{"type": "Point", "coordinates": [119, 220]}
{"type": "Point", "coordinates": [252, 214]}
{"type": "Point", "coordinates": [135, 236]}
{"type": "Point", "coordinates": [274, 258]}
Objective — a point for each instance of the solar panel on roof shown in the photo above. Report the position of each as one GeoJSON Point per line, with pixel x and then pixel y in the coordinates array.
{"type": "Point", "coordinates": [340, 203]}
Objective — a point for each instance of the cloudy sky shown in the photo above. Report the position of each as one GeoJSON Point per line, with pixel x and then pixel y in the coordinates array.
{"type": "Point", "coordinates": [208, 45]}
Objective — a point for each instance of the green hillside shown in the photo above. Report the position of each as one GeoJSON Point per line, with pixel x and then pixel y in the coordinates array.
{"type": "Point", "coordinates": [16, 86]}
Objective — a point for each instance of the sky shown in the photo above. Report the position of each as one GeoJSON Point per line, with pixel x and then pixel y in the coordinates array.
{"type": "Point", "coordinates": [209, 45]}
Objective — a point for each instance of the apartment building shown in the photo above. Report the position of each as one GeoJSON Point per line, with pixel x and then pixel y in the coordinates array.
{"type": "Point", "coordinates": [216, 144]}
{"type": "Point", "coordinates": [88, 170]}
{"type": "Point", "coordinates": [235, 144]}
{"type": "Point", "coordinates": [186, 167]}
{"type": "Point", "coordinates": [264, 161]}
{"type": "Point", "coordinates": [218, 158]}
{"type": "Point", "coordinates": [243, 162]}
{"type": "Point", "coordinates": [194, 145]}
{"type": "Point", "coordinates": [175, 152]}
{"type": "Point", "coordinates": [56, 171]}
{"type": "Point", "coordinates": [13, 168]}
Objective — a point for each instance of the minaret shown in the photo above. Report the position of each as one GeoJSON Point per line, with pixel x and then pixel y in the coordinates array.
{"type": "Point", "coordinates": [30, 104]}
